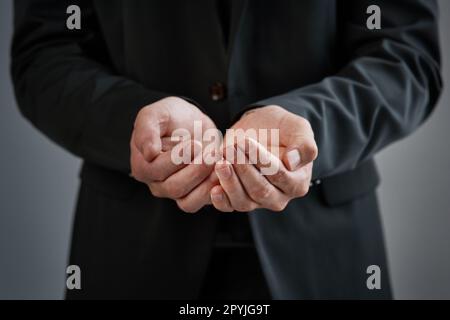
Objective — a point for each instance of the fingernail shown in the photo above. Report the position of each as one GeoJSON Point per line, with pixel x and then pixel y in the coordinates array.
{"type": "Point", "coordinates": [293, 158]}
{"type": "Point", "coordinates": [217, 196]}
{"type": "Point", "coordinates": [223, 171]}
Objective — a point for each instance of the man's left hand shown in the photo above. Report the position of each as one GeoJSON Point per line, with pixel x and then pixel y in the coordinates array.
{"type": "Point", "coordinates": [242, 185]}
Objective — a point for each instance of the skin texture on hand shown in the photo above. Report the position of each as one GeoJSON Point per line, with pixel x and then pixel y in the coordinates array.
{"type": "Point", "coordinates": [242, 186]}
{"type": "Point", "coordinates": [188, 184]}
{"type": "Point", "coordinates": [227, 185]}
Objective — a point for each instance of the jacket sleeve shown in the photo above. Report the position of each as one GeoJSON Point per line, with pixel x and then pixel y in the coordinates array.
{"type": "Point", "coordinates": [386, 90]}
{"type": "Point", "coordinates": [65, 86]}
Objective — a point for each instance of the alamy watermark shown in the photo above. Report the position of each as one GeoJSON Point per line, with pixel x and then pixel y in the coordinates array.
{"type": "Point", "coordinates": [373, 282]}
{"type": "Point", "coordinates": [258, 147]}
{"type": "Point", "coordinates": [73, 21]}
{"type": "Point", "coordinates": [73, 281]}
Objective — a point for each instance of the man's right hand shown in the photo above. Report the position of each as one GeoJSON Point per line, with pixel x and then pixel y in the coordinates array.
{"type": "Point", "coordinates": [188, 184]}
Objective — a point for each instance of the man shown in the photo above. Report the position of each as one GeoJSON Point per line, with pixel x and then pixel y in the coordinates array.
{"type": "Point", "coordinates": [114, 91]}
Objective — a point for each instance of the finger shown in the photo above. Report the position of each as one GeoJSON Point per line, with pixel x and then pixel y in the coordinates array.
{"type": "Point", "coordinates": [149, 129]}
{"type": "Point", "coordinates": [300, 149]}
{"type": "Point", "coordinates": [163, 166]}
{"type": "Point", "coordinates": [289, 183]}
{"type": "Point", "coordinates": [168, 143]}
{"type": "Point", "coordinates": [233, 187]}
{"type": "Point", "coordinates": [183, 181]}
{"type": "Point", "coordinates": [257, 154]}
{"type": "Point", "coordinates": [200, 196]}
{"type": "Point", "coordinates": [268, 164]}
{"type": "Point", "coordinates": [297, 134]}
{"type": "Point", "coordinates": [300, 155]}
{"type": "Point", "coordinates": [139, 167]}
{"type": "Point", "coordinates": [298, 181]}
{"type": "Point", "coordinates": [220, 200]}
{"type": "Point", "coordinates": [303, 178]}
{"type": "Point", "coordinates": [259, 188]}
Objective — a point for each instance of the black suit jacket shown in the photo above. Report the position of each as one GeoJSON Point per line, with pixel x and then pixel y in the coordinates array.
{"type": "Point", "coordinates": [360, 89]}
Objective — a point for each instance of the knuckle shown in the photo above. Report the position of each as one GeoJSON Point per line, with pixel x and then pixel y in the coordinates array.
{"type": "Point", "coordinates": [305, 124]}
{"type": "Point", "coordinates": [223, 208]}
{"type": "Point", "coordinates": [137, 173]}
{"type": "Point", "coordinates": [186, 206]}
{"type": "Point", "coordinates": [311, 151]}
{"type": "Point", "coordinates": [280, 176]}
{"type": "Point", "coordinates": [302, 190]}
{"type": "Point", "coordinates": [243, 169]}
{"type": "Point", "coordinates": [227, 209]}
{"type": "Point", "coordinates": [261, 193]}
{"type": "Point", "coordinates": [137, 121]}
{"type": "Point", "coordinates": [157, 175]}
{"type": "Point", "coordinates": [315, 151]}
{"type": "Point", "coordinates": [244, 207]}
{"type": "Point", "coordinates": [134, 172]}
{"type": "Point", "coordinates": [201, 172]}
{"type": "Point", "coordinates": [138, 137]}
{"type": "Point", "coordinates": [132, 142]}
{"type": "Point", "coordinates": [149, 150]}
{"type": "Point", "coordinates": [156, 192]}
{"type": "Point", "coordinates": [172, 100]}
{"type": "Point", "coordinates": [279, 206]}
{"type": "Point", "coordinates": [275, 108]}
{"type": "Point", "coordinates": [174, 190]}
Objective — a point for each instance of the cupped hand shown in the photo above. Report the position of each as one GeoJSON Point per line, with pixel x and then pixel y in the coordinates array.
{"type": "Point", "coordinates": [244, 186]}
{"type": "Point", "coordinates": [151, 147]}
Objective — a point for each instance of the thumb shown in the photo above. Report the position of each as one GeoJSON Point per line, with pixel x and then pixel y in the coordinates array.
{"type": "Point", "coordinates": [298, 137]}
{"type": "Point", "coordinates": [151, 145]}
{"type": "Point", "coordinates": [296, 157]}
{"type": "Point", "coordinates": [300, 154]}
{"type": "Point", "coordinates": [148, 133]}
{"type": "Point", "coordinates": [300, 150]}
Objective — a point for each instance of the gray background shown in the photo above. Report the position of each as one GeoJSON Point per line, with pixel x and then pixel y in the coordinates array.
{"type": "Point", "coordinates": [38, 186]}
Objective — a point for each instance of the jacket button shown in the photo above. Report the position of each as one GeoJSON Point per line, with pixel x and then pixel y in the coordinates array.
{"type": "Point", "coordinates": [217, 91]}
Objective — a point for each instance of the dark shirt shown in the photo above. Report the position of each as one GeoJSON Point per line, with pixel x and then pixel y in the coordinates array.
{"type": "Point", "coordinates": [224, 12]}
{"type": "Point", "coordinates": [233, 229]}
